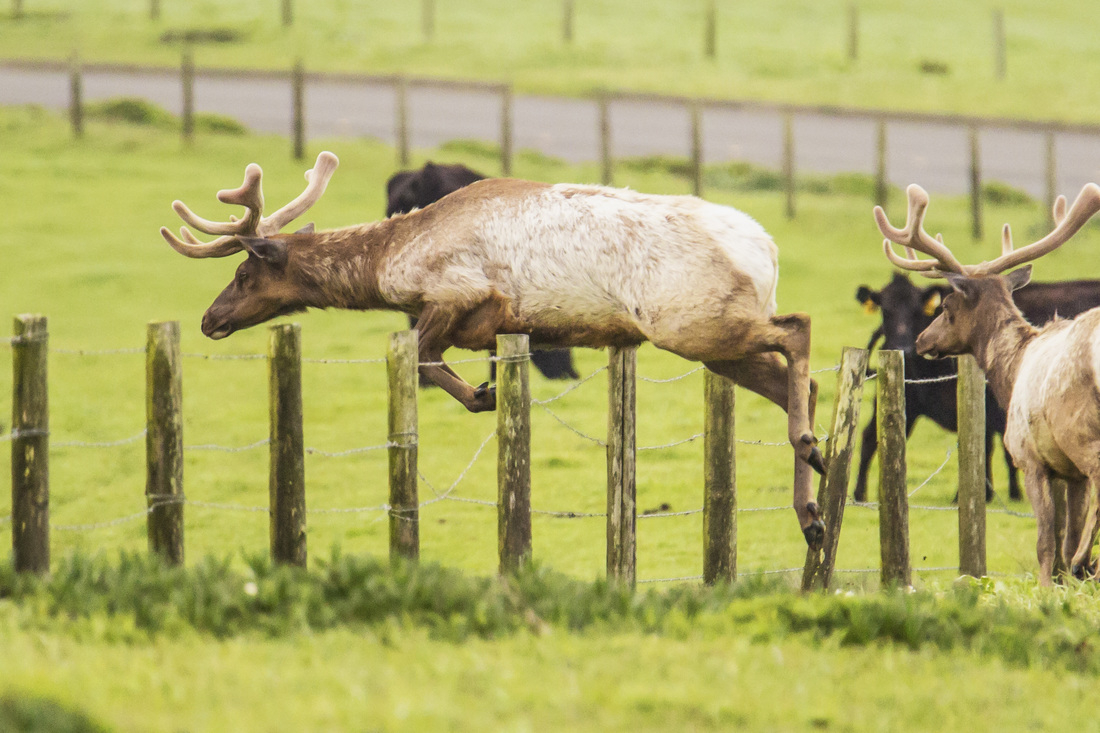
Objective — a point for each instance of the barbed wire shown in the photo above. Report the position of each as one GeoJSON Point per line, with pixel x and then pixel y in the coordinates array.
{"type": "Point", "coordinates": [933, 380]}
{"type": "Point", "coordinates": [99, 352]}
{"type": "Point", "coordinates": [224, 357]}
{"type": "Point", "coordinates": [101, 444]}
{"type": "Point", "coordinates": [228, 449]}
{"type": "Point", "coordinates": [932, 475]}
{"type": "Point", "coordinates": [671, 379]}
{"type": "Point", "coordinates": [343, 361]}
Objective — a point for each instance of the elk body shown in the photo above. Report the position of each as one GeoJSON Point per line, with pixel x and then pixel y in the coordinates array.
{"type": "Point", "coordinates": [1047, 379]}
{"type": "Point", "coordinates": [569, 265]}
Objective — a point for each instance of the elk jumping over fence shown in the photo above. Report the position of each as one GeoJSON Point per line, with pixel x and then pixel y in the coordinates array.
{"type": "Point", "coordinates": [569, 265]}
{"type": "Point", "coordinates": [1047, 379]}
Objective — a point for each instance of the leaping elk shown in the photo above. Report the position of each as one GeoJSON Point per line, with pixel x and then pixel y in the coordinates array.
{"type": "Point", "coordinates": [569, 265]}
{"type": "Point", "coordinates": [1047, 379]}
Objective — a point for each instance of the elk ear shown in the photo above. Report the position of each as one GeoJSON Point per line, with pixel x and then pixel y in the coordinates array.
{"type": "Point", "coordinates": [1018, 278]}
{"type": "Point", "coordinates": [869, 299]}
{"type": "Point", "coordinates": [962, 285]}
{"type": "Point", "coordinates": [307, 229]}
{"type": "Point", "coordinates": [932, 301]}
{"type": "Point", "coordinates": [272, 251]}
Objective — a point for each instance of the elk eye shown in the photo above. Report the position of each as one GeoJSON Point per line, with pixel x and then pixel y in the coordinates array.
{"type": "Point", "coordinates": [242, 277]}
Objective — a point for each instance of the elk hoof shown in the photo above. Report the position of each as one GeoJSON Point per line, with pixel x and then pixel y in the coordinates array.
{"type": "Point", "coordinates": [485, 398]}
{"type": "Point", "coordinates": [1078, 571]}
{"type": "Point", "coordinates": [816, 460]}
{"type": "Point", "coordinates": [815, 534]}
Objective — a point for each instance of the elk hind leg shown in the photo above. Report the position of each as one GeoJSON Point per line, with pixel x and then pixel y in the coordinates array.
{"type": "Point", "coordinates": [1037, 483]}
{"type": "Point", "coordinates": [435, 328]}
{"type": "Point", "coordinates": [1083, 518]}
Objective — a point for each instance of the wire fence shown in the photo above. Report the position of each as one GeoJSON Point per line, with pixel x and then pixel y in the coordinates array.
{"type": "Point", "coordinates": [449, 494]}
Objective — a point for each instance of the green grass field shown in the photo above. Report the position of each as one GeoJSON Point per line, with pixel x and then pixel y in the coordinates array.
{"type": "Point", "coordinates": [791, 51]}
{"type": "Point", "coordinates": [81, 246]}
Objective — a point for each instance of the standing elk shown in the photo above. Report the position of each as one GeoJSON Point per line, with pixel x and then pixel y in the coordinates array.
{"type": "Point", "coordinates": [408, 190]}
{"type": "Point", "coordinates": [906, 311]}
{"type": "Point", "coordinates": [1047, 379]}
{"type": "Point", "coordinates": [569, 265]}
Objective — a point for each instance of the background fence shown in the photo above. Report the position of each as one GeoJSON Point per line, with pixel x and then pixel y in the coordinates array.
{"type": "Point", "coordinates": [165, 497]}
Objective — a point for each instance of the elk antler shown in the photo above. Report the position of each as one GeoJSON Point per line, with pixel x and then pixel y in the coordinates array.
{"type": "Point", "coordinates": [915, 239]}
{"type": "Point", "coordinates": [249, 195]}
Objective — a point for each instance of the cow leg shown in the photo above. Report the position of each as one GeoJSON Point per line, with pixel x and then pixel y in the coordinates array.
{"type": "Point", "coordinates": [436, 331]}
{"type": "Point", "coordinates": [1013, 476]}
{"type": "Point", "coordinates": [789, 386]}
{"type": "Point", "coordinates": [1037, 483]}
{"type": "Point", "coordinates": [988, 466]}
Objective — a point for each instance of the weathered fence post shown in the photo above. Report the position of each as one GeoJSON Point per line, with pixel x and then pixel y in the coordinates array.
{"type": "Point", "coordinates": [288, 13]}
{"type": "Point", "coordinates": [567, 21]}
{"type": "Point", "coordinates": [893, 509]}
{"type": "Point", "coordinates": [604, 104]}
{"type": "Point", "coordinates": [710, 30]}
{"type": "Point", "coordinates": [719, 481]}
{"type": "Point", "coordinates": [1000, 55]}
{"type": "Point", "coordinates": [154, 10]}
{"type": "Point", "coordinates": [298, 87]}
{"type": "Point", "coordinates": [17, 9]}
{"type": "Point", "coordinates": [401, 108]}
{"type": "Point", "coordinates": [427, 19]}
{"type": "Point", "coordinates": [287, 476]}
{"type": "Point", "coordinates": [881, 186]}
{"type": "Point", "coordinates": [164, 441]}
{"type": "Point", "coordinates": [853, 31]}
{"type": "Point", "coordinates": [401, 371]}
{"type": "Point", "coordinates": [1052, 173]}
{"type": "Point", "coordinates": [76, 96]}
{"type": "Point", "coordinates": [622, 511]}
{"type": "Point", "coordinates": [788, 162]}
{"type": "Point", "coordinates": [975, 185]}
{"type": "Point", "coordinates": [971, 405]}
{"type": "Point", "coordinates": [832, 494]}
{"type": "Point", "coordinates": [696, 150]}
{"type": "Point", "coordinates": [513, 451]}
{"type": "Point", "coordinates": [187, 83]}
{"type": "Point", "coordinates": [506, 119]}
{"type": "Point", "coordinates": [30, 446]}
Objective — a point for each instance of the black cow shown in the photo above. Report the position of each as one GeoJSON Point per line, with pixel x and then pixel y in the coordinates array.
{"type": "Point", "coordinates": [408, 190]}
{"type": "Point", "coordinates": [906, 311]}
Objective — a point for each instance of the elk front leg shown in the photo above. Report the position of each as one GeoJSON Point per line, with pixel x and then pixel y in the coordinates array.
{"type": "Point", "coordinates": [435, 327]}
{"type": "Point", "coordinates": [1037, 484]}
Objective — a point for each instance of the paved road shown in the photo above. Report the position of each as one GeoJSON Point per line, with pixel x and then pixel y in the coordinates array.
{"type": "Point", "coordinates": [934, 155]}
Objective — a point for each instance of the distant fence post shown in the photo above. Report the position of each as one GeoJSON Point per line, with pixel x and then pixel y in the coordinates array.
{"type": "Point", "coordinates": [832, 493]}
{"type": "Point", "coordinates": [1052, 173]}
{"type": "Point", "coordinates": [287, 476]}
{"type": "Point", "coordinates": [719, 481]}
{"type": "Point", "coordinates": [622, 512]}
{"type": "Point", "coordinates": [893, 510]}
{"type": "Point", "coordinates": [604, 104]}
{"type": "Point", "coordinates": [17, 9]}
{"type": "Point", "coordinates": [76, 96]}
{"type": "Point", "coordinates": [298, 86]}
{"type": "Point", "coordinates": [513, 452]}
{"type": "Point", "coordinates": [788, 163]}
{"type": "Point", "coordinates": [506, 119]}
{"type": "Point", "coordinates": [401, 108]}
{"type": "Point", "coordinates": [164, 441]}
{"type": "Point", "coordinates": [1000, 55]}
{"type": "Point", "coordinates": [975, 185]}
{"type": "Point", "coordinates": [401, 371]}
{"type": "Point", "coordinates": [696, 150]}
{"type": "Point", "coordinates": [427, 19]}
{"type": "Point", "coordinates": [30, 446]}
{"type": "Point", "coordinates": [567, 21]}
{"type": "Point", "coordinates": [154, 10]}
{"type": "Point", "coordinates": [710, 30]}
{"type": "Point", "coordinates": [853, 31]}
{"type": "Point", "coordinates": [971, 405]}
{"type": "Point", "coordinates": [881, 186]}
{"type": "Point", "coordinates": [288, 13]}
{"type": "Point", "coordinates": [187, 82]}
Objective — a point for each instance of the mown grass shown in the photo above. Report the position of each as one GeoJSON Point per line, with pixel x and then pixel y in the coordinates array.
{"type": "Point", "coordinates": [930, 56]}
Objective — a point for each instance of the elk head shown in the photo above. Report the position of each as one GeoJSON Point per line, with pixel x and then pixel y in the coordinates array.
{"type": "Point", "coordinates": [981, 300]}
{"type": "Point", "coordinates": [262, 287]}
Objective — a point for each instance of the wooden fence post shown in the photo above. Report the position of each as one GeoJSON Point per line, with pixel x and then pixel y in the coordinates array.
{"type": "Point", "coordinates": [17, 9]}
{"type": "Point", "coordinates": [604, 104]}
{"type": "Point", "coordinates": [696, 150]}
{"type": "Point", "coordinates": [971, 405]}
{"type": "Point", "coordinates": [164, 441]}
{"type": "Point", "coordinates": [287, 476]}
{"type": "Point", "coordinates": [401, 371]}
{"type": "Point", "coordinates": [401, 107]}
{"type": "Point", "coordinates": [832, 494]}
{"type": "Point", "coordinates": [975, 185]}
{"type": "Point", "coordinates": [298, 87]}
{"type": "Point", "coordinates": [788, 162]}
{"type": "Point", "coordinates": [30, 446]}
{"type": "Point", "coordinates": [288, 13]}
{"type": "Point", "coordinates": [881, 186]}
{"type": "Point", "coordinates": [622, 512]}
{"type": "Point", "coordinates": [427, 19]}
{"type": "Point", "coordinates": [513, 452]}
{"type": "Point", "coordinates": [710, 30]}
{"type": "Point", "coordinates": [1000, 56]}
{"type": "Point", "coordinates": [187, 82]}
{"type": "Point", "coordinates": [567, 16]}
{"type": "Point", "coordinates": [853, 31]}
{"type": "Point", "coordinates": [719, 481]}
{"type": "Point", "coordinates": [893, 508]}
{"type": "Point", "coordinates": [76, 96]}
{"type": "Point", "coordinates": [506, 119]}
{"type": "Point", "coordinates": [1052, 174]}
{"type": "Point", "coordinates": [154, 10]}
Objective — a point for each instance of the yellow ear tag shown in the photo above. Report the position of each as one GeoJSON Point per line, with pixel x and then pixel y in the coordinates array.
{"type": "Point", "coordinates": [932, 304]}
{"type": "Point", "coordinates": [869, 307]}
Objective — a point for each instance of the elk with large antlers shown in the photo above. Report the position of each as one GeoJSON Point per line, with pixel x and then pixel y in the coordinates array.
{"type": "Point", "coordinates": [570, 265]}
{"type": "Point", "coordinates": [1047, 379]}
